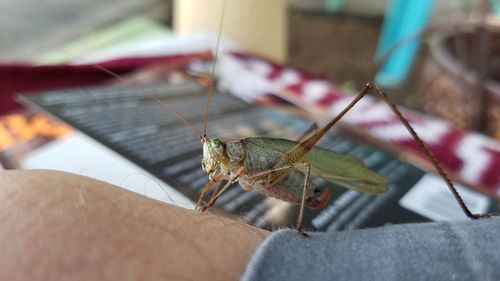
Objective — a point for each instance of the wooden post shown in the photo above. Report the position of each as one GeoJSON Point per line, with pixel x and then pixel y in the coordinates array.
{"type": "Point", "coordinates": [259, 26]}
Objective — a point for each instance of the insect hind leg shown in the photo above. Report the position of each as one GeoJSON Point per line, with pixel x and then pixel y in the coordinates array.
{"type": "Point", "coordinates": [427, 152]}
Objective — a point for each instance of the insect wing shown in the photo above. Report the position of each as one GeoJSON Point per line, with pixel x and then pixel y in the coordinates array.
{"type": "Point", "coordinates": [346, 170]}
{"type": "Point", "coordinates": [342, 169]}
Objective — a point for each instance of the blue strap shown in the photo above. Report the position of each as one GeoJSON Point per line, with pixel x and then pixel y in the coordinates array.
{"type": "Point", "coordinates": [403, 19]}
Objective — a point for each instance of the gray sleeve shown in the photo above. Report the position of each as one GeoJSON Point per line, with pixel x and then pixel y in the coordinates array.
{"type": "Point", "coordinates": [466, 250]}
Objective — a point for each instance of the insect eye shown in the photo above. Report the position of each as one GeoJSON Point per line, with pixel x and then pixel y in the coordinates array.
{"type": "Point", "coordinates": [216, 142]}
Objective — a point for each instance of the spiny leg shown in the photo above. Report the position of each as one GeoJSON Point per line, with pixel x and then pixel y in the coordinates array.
{"type": "Point", "coordinates": [218, 192]}
{"type": "Point", "coordinates": [303, 147]}
{"type": "Point", "coordinates": [303, 202]}
{"type": "Point", "coordinates": [371, 86]}
{"type": "Point", "coordinates": [215, 196]}
{"type": "Point", "coordinates": [273, 170]}
{"type": "Point", "coordinates": [206, 189]}
{"type": "Point", "coordinates": [428, 153]}
{"type": "Point", "coordinates": [309, 142]}
{"type": "Point", "coordinates": [217, 189]}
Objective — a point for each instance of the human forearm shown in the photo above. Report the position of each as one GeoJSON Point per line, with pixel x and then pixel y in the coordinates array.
{"type": "Point", "coordinates": [62, 226]}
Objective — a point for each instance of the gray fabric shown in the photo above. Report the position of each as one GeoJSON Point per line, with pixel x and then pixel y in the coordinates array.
{"type": "Point", "coordinates": [466, 250]}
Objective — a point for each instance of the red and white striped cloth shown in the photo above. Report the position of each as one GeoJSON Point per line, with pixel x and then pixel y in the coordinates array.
{"type": "Point", "coordinates": [472, 156]}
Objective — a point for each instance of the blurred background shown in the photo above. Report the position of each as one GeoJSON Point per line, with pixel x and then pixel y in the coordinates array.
{"type": "Point", "coordinates": [447, 62]}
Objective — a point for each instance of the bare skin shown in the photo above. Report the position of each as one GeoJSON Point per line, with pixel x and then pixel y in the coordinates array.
{"type": "Point", "coordinates": [59, 226]}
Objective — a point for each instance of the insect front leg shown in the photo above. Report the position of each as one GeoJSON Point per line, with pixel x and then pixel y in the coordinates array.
{"type": "Point", "coordinates": [214, 197]}
{"type": "Point", "coordinates": [218, 192]}
{"type": "Point", "coordinates": [206, 189]}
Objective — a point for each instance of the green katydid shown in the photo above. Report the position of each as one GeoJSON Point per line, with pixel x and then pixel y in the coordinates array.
{"type": "Point", "coordinates": [282, 168]}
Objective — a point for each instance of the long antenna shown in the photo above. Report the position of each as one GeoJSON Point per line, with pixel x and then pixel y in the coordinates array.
{"type": "Point", "coordinates": [212, 74]}
{"type": "Point", "coordinates": [160, 102]}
